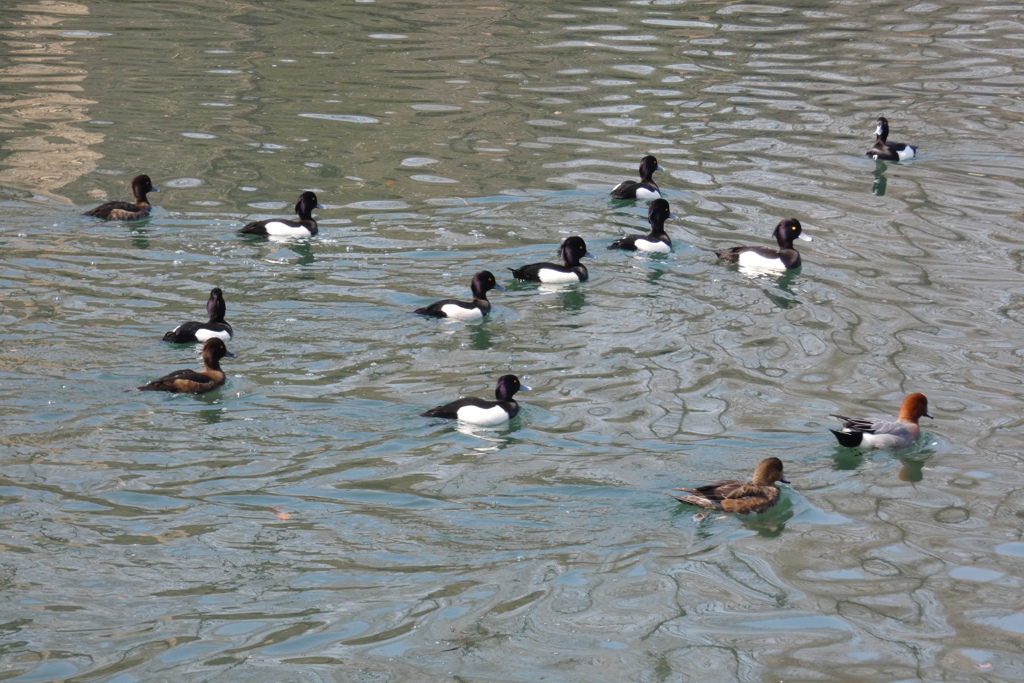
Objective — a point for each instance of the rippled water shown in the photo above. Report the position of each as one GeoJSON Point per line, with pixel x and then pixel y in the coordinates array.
{"type": "Point", "coordinates": [304, 523]}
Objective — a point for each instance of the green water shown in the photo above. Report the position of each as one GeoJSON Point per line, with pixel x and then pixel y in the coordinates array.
{"type": "Point", "coordinates": [303, 523]}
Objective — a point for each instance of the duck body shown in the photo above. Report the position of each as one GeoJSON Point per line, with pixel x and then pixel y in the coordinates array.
{"type": "Point", "coordinates": [658, 240]}
{"type": "Point", "coordinates": [482, 283]}
{"type": "Point", "coordinates": [128, 211]}
{"type": "Point", "coordinates": [646, 188]}
{"type": "Point", "coordinates": [280, 227]}
{"type": "Point", "coordinates": [741, 497]}
{"type": "Point", "coordinates": [192, 381]}
{"type": "Point", "coordinates": [764, 258]}
{"type": "Point", "coordinates": [216, 326]}
{"type": "Point", "coordinates": [479, 411]}
{"type": "Point", "coordinates": [889, 151]}
{"type": "Point", "coordinates": [867, 432]}
{"type": "Point", "coordinates": [571, 250]}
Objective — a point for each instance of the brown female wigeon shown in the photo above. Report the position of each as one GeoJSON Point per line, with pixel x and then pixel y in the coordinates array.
{"type": "Point", "coordinates": [191, 381]}
{"type": "Point", "coordinates": [128, 211]}
{"type": "Point", "coordinates": [738, 496]}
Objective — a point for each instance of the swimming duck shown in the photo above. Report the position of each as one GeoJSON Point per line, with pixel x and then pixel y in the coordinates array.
{"type": "Point", "coordinates": [740, 496]}
{"type": "Point", "coordinates": [783, 258]}
{"type": "Point", "coordinates": [482, 412]}
{"type": "Point", "coordinates": [657, 241]}
{"type": "Point", "coordinates": [646, 188]}
{"type": "Point", "coordinates": [482, 283]}
{"type": "Point", "coordinates": [193, 331]}
{"type": "Point", "coordinates": [571, 251]}
{"type": "Point", "coordinates": [868, 432]}
{"type": "Point", "coordinates": [280, 227]}
{"type": "Point", "coordinates": [192, 382]}
{"type": "Point", "coordinates": [127, 211]}
{"type": "Point", "coordinates": [889, 151]}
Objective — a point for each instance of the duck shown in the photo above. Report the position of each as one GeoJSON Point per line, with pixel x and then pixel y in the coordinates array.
{"type": "Point", "coordinates": [216, 326]}
{"type": "Point", "coordinates": [192, 382]}
{"type": "Point", "coordinates": [482, 283]}
{"type": "Point", "coordinates": [128, 211]}
{"type": "Point", "coordinates": [571, 250]}
{"type": "Point", "coordinates": [737, 496]}
{"type": "Point", "coordinates": [657, 241]}
{"type": "Point", "coordinates": [869, 432]}
{"type": "Point", "coordinates": [889, 151]}
{"type": "Point", "coordinates": [280, 227]}
{"type": "Point", "coordinates": [646, 188]}
{"type": "Point", "coordinates": [783, 258]}
{"type": "Point", "coordinates": [480, 411]}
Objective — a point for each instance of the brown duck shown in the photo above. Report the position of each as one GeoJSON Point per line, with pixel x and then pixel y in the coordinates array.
{"type": "Point", "coordinates": [128, 211]}
{"type": "Point", "coordinates": [740, 496]}
{"type": "Point", "coordinates": [191, 381]}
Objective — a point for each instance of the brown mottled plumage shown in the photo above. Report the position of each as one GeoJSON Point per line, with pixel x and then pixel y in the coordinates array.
{"type": "Point", "coordinates": [127, 211]}
{"type": "Point", "coordinates": [740, 496]}
{"type": "Point", "coordinates": [191, 381]}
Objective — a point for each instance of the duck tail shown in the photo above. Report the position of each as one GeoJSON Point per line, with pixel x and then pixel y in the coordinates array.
{"type": "Point", "coordinates": [848, 439]}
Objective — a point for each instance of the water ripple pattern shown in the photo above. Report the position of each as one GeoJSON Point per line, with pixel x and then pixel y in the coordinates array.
{"type": "Point", "coordinates": [305, 523]}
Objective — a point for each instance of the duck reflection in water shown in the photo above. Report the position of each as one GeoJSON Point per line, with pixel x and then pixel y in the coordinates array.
{"type": "Point", "coordinates": [878, 187]}
{"type": "Point", "coordinates": [783, 283]}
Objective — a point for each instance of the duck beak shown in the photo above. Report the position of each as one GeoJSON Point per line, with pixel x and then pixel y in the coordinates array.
{"type": "Point", "coordinates": [154, 189]}
{"type": "Point", "coordinates": [231, 355]}
{"type": "Point", "coordinates": [805, 238]}
{"type": "Point", "coordinates": [929, 416]}
{"type": "Point", "coordinates": [320, 206]}
{"type": "Point", "coordinates": [523, 387]}
{"type": "Point", "coordinates": [672, 215]}
{"type": "Point", "coordinates": [661, 168]}
{"type": "Point", "coordinates": [589, 255]}
{"type": "Point", "coordinates": [499, 287]}
{"type": "Point", "coordinates": [784, 481]}
{"type": "Point", "coordinates": [878, 130]}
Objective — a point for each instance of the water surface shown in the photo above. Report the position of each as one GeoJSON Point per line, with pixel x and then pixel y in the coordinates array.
{"type": "Point", "coordinates": [304, 523]}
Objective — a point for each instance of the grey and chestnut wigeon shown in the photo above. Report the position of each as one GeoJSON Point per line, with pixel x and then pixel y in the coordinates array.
{"type": "Point", "coordinates": [764, 258]}
{"type": "Point", "coordinates": [281, 227]}
{"type": "Point", "coordinates": [480, 411]}
{"type": "Point", "coordinates": [737, 496]}
{"type": "Point", "coordinates": [658, 240]}
{"type": "Point", "coordinates": [889, 151]}
{"type": "Point", "coordinates": [192, 381]}
{"type": "Point", "coordinates": [571, 251]}
{"type": "Point", "coordinates": [646, 188]}
{"type": "Point", "coordinates": [483, 282]}
{"type": "Point", "coordinates": [868, 432]}
{"type": "Point", "coordinates": [128, 211]}
{"type": "Point", "coordinates": [194, 331]}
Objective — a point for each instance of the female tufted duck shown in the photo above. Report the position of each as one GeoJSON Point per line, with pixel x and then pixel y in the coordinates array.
{"type": "Point", "coordinates": [192, 382]}
{"type": "Point", "coordinates": [128, 211]}
{"type": "Point", "coordinates": [783, 258]}
{"type": "Point", "coordinates": [571, 251]}
{"type": "Point", "coordinates": [646, 188]}
{"type": "Point", "coordinates": [889, 151]}
{"type": "Point", "coordinates": [462, 310]}
{"type": "Point", "coordinates": [740, 496]}
{"type": "Point", "coordinates": [480, 411]}
{"type": "Point", "coordinates": [280, 227]}
{"type": "Point", "coordinates": [193, 331]}
{"type": "Point", "coordinates": [868, 432]}
{"type": "Point", "coordinates": [657, 241]}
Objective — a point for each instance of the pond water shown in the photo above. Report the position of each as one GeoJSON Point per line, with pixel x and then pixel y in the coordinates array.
{"type": "Point", "coordinates": [304, 523]}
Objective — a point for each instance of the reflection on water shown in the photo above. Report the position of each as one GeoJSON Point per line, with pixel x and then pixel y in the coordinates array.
{"type": "Point", "coordinates": [878, 187]}
{"type": "Point", "coordinates": [203, 532]}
